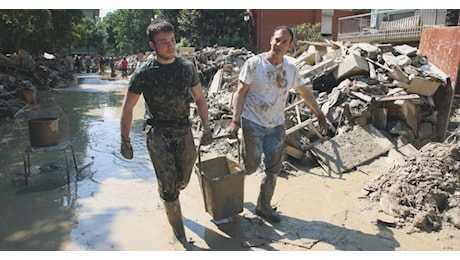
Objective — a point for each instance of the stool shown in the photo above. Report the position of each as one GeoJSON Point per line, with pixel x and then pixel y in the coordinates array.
{"type": "Point", "coordinates": [61, 146]}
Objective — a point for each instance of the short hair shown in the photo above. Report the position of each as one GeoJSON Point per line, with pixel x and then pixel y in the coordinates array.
{"type": "Point", "coordinates": [285, 28]}
{"type": "Point", "coordinates": [158, 26]}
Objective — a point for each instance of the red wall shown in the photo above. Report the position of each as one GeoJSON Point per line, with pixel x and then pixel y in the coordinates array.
{"type": "Point", "coordinates": [266, 20]}
{"type": "Point", "coordinates": [442, 48]}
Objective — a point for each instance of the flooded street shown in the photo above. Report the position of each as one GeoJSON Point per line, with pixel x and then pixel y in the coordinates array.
{"type": "Point", "coordinates": [51, 215]}
{"type": "Point", "coordinates": [112, 204]}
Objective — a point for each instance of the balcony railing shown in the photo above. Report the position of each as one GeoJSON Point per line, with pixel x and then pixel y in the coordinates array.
{"type": "Point", "coordinates": [390, 25]}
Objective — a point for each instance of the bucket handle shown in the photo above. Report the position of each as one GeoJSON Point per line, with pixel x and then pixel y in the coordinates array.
{"type": "Point", "coordinates": [230, 136]}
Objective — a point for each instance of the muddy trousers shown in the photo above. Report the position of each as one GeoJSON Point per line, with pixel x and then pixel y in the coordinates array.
{"type": "Point", "coordinates": [174, 214]}
{"type": "Point", "coordinates": [267, 189]}
{"type": "Point", "coordinates": [260, 140]}
{"type": "Point", "coordinates": [173, 155]}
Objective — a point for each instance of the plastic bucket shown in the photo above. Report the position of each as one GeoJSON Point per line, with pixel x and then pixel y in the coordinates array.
{"type": "Point", "coordinates": [44, 131]}
{"type": "Point", "coordinates": [222, 185]}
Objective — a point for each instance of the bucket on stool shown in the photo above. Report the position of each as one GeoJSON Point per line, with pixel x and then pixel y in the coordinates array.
{"type": "Point", "coordinates": [44, 131]}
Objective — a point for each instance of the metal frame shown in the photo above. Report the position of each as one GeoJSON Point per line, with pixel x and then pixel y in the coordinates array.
{"type": "Point", "coordinates": [62, 146]}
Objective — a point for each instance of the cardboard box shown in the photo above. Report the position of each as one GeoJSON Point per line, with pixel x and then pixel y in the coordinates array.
{"type": "Point", "coordinates": [423, 86]}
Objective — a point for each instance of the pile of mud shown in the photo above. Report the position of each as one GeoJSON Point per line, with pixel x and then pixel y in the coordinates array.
{"type": "Point", "coordinates": [423, 194]}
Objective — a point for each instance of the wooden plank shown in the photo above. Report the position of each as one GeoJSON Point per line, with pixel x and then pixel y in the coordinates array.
{"type": "Point", "coordinates": [294, 152]}
{"type": "Point", "coordinates": [401, 97]}
{"type": "Point", "coordinates": [362, 96]}
{"type": "Point", "coordinates": [216, 82]}
{"type": "Point", "coordinates": [380, 65]}
{"type": "Point", "coordinates": [293, 105]}
{"type": "Point", "coordinates": [299, 126]}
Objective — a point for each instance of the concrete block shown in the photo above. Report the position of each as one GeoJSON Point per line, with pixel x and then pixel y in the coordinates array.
{"type": "Point", "coordinates": [352, 64]}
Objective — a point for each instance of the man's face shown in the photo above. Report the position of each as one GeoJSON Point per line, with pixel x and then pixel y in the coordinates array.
{"type": "Point", "coordinates": [164, 44]}
{"type": "Point", "coordinates": [281, 42]}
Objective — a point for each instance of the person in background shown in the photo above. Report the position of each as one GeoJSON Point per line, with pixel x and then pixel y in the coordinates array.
{"type": "Point", "coordinates": [78, 64]}
{"type": "Point", "coordinates": [101, 65]}
{"type": "Point", "coordinates": [168, 83]}
{"type": "Point", "coordinates": [88, 63]}
{"type": "Point", "coordinates": [112, 65]}
{"type": "Point", "coordinates": [258, 108]}
{"type": "Point", "coordinates": [124, 68]}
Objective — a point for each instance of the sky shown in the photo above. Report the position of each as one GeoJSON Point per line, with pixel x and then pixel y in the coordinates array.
{"type": "Point", "coordinates": [103, 12]}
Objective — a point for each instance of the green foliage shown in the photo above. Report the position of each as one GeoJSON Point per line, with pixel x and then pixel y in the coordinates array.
{"type": "Point", "coordinates": [38, 30]}
{"type": "Point", "coordinates": [121, 32]}
{"type": "Point", "coordinates": [308, 32]}
{"type": "Point", "coordinates": [21, 28]}
{"type": "Point", "coordinates": [183, 43]}
{"type": "Point", "coordinates": [223, 27]}
{"type": "Point", "coordinates": [65, 23]}
{"type": "Point", "coordinates": [126, 30]}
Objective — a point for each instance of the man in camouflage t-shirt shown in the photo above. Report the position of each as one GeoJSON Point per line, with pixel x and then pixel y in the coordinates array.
{"type": "Point", "coordinates": [168, 84]}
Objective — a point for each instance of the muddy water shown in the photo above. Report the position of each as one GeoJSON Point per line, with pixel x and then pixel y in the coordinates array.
{"type": "Point", "coordinates": [45, 216]}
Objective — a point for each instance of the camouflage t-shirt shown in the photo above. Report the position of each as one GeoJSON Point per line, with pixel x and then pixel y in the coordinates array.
{"type": "Point", "coordinates": [166, 90]}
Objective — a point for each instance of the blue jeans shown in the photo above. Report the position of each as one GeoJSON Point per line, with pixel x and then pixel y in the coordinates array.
{"type": "Point", "coordinates": [260, 140]}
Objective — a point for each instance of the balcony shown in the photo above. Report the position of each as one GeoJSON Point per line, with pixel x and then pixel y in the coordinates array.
{"type": "Point", "coordinates": [389, 26]}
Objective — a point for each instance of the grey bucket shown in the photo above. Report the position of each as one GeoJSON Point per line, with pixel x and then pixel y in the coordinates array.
{"type": "Point", "coordinates": [44, 131]}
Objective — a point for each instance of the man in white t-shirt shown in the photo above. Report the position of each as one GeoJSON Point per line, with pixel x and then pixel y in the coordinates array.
{"type": "Point", "coordinates": [259, 102]}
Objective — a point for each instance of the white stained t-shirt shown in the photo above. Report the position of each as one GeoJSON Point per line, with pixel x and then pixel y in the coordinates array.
{"type": "Point", "coordinates": [270, 84]}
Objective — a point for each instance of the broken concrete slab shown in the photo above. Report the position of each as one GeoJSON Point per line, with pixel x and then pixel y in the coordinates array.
{"type": "Point", "coordinates": [348, 150]}
{"type": "Point", "coordinates": [405, 49]}
{"type": "Point", "coordinates": [352, 64]}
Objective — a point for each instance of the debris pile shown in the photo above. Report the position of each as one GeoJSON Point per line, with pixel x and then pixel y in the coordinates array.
{"type": "Point", "coordinates": [389, 88]}
{"type": "Point", "coordinates": [21, 76]}
{"type": "Point", "coordinates": [423, 193]}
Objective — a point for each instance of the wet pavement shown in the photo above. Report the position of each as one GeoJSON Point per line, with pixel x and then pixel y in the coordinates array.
{"type": "Point", "coordinates": [112, 204]}
{"type": "Point", "coordinates": [46, 214]}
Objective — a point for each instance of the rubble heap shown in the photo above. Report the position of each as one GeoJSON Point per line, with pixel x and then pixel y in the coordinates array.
{"type": "Point", "coordinates": [423, 193]}
{"type": "Point", "coordinates": [389, 87]}
{"type": "Point", "coordinates": [21, 76]}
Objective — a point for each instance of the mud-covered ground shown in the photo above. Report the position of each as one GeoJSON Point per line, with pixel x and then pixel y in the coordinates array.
{"type": "Point", "coordinates": [112, 204]}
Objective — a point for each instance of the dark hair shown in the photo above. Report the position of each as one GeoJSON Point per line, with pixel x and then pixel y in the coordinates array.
{"type": "Point", "coordinates": [159, 26]}
{"type": "Point", "coordinates": [285, 28]}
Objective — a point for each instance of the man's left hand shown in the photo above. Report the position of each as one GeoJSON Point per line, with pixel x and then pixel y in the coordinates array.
{"type": "Point", "coordinates": [206, 137]}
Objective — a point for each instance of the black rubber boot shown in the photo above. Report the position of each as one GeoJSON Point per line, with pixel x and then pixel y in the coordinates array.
{"type": "Point", "coordinates": [174, 213]}
{"type": "Point", "coordinates": [264, 208]}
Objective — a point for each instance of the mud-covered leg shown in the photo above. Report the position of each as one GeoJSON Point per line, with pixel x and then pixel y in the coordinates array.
{"type": "Point", "coordinates": [267, 189]}
{"type": "Point", "coordinates": [174, 213]}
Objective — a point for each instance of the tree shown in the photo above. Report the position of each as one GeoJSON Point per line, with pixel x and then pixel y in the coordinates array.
{"type": "Point", "coordinates": [225, 27]}
{"type": "Point", "coordinates": [29, 25]}
{"type": "Point", "coordinates": [126, 30]}
{"type": "Point", "coordinates": [64, 24]}
{"type": "Point", "coordinates": [308, 32]}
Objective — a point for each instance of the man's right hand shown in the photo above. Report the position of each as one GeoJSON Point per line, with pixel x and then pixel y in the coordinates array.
{"type": "Point", "coordinates": [126, 149]}
{"type": "Point", "coordinates": [234, 127]}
